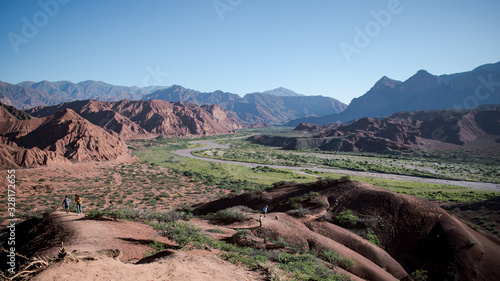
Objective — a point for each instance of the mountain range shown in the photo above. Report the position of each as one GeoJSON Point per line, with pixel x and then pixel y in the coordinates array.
{"type": "Point", "coordinates": [271, 107]}
{"type": "Point", "coordinates": [143, 119]}
{"type": "Point", "coordinates": [422, 91]}
{"type": "Point", "coordinates": [476, 128]}
{"type": "Point", "coordinates": [59, 135]}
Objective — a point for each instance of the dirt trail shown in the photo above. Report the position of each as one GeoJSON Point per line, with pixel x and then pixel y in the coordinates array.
{"type": "Point", "coordinates": [90, 237]}
{"type": "Point", "coordinates": [210, 144]}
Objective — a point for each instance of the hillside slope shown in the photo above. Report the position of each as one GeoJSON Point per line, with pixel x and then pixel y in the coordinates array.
{"type": "Point", "coordinates": [61, 138]}
{"type": "Point", "coordinates": [477, 128]}
{"type": "Point", "coordinates": [142, 119]}
{"type": "Point", "coordinates": [413, 234]}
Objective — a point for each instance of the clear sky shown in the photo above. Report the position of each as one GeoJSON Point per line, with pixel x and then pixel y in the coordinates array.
{"type": "Point", "coordinates": [326, 47]}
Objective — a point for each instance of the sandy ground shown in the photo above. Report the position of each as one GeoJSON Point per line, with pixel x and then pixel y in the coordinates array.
{"type": "Point", "coordinates": [131, 239]}
{"type": "Point", "coordinates": [210, 144]}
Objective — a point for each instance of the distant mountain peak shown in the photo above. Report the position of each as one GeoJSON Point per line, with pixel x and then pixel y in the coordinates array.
{"type": "Point", "coordinates": [282, 92]}
{"type": "Point", "coordinates": [422, 80]}
{"type": "Point", "coordinates": [386, 81]}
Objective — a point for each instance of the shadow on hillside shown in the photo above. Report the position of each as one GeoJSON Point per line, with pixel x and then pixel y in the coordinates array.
{"type": "Point", "coordinates": [155, 257]}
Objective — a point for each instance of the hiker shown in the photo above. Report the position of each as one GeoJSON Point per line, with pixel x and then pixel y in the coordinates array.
{"type": "Point", "coordinates": [78, 201]}
{"type": "Point", "coordinates": [66, 204]}
{"type": "Point", "coordinates": [260, 220]}
{"type": "Point", "coordinates": [265, 211]}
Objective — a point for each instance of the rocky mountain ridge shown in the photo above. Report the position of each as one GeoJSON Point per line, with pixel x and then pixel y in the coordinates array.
{"type": "Point", "coordinates": [422, 91]}
{"type": "Point", "coordinates": [61, 138]}
{"type": "Point", "coordinates": [477, 128]}
{"type": "Point", "coordinates": [143, 119]}
{"type": "Point", "coordinates": [270, 107]}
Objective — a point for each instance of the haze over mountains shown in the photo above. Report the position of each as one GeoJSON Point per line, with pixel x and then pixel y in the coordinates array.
{"type": "Point", "coordinates": [422, 91]}
{"type": "Point", "coordinates": [271, 107]}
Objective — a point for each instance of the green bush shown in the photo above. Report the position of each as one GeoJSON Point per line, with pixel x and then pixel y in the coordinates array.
{"type": "Point", "coordinates": [336, 259]}
{"type": "Point", "coordinates": [346, 218]}
{"type": "Point", "coordinates": [299, 213]}
{"type": "Point", "coordinates": [183, 233]}
{"type": "Point", "coordinates": [372, 237]}
{"type": "Point", "coordinates": [231, 214]}
{"type": "Point", "coordinates": [94, 214]}
{"type": "Point", "coordinates": [419, 275]}
{"type": "Point", "coordinates": [154, 247]}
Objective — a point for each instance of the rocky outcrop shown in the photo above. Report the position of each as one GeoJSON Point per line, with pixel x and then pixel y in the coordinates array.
{"type": "Point", "coordinates": [143, 119]}
{"type": "Point", "coordinates": [401, 131]}
{"type": "Point", "coordinates": [61, 138]}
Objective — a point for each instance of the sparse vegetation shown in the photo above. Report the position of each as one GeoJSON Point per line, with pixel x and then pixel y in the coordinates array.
{"type": "Point", "coordinates": [154, 247]}
{"type": "Point", "coordinates": [231, 215]}
{"type": "Point", "coordinates": [302, 265]}
{"type": "Point", "coordinates": [372, 237]}
{"type": "Point", "coordinates": [175, 181]}
{"type": "Point", "coordinates": [299, 213]}
{"type": "Point", "coordinates": [419, 275]}
{"type": "Point", "coordinates": [346, 218]}
{"type": "Point", "coordinates": [336, 259]}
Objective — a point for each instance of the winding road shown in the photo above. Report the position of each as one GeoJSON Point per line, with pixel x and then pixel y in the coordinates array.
{"type": "Point", "coordinates": [210, 145]}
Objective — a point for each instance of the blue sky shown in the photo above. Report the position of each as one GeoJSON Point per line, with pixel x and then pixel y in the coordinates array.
{"type": "Point", "coordinates": [244, 46]}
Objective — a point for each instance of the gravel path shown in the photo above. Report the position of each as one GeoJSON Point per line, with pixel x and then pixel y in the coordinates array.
{"type": "Point", "coordinates": [210, 144]}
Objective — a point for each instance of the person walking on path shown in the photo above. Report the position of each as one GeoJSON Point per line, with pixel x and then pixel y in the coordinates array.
{"type": "Point", "coordinates": [260, 220]}
{"type": "Point", "coordinates": [78, 201]}
{"type": "Point", "coordinates": [265, 211]}
{"type": "Point", "coordinates": [66, 204]}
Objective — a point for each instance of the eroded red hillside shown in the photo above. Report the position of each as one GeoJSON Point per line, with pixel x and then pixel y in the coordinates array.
{"type": "Point", "coordinates": [63, 137]}
{"type": "Point", "coordinates": [143, 119]}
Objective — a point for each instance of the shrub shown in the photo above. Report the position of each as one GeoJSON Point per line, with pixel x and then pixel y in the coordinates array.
{"type": "Point", "coordinates": [299, 213]}
{"type": "Point", "coordinates": [232, 214]}
{"type": "Point", "coordinates": [346, 218]}
{"type": "Point", "coordinates": [94, 214]}
{"type": "Point", "coordinates": [336, 259]}
{"type": "Point", "coordinates": [372, 237]}
{"type": "Point", "coordinates": [241, 238]}
{"type": "Point", "coordinates": [419, 275]}
{"type": "Point", "coordinates": [281, 242]}
{"type": "Point", "coordinates": [183, 233]}
{"type": "Point", "coordinates": [154, 247]}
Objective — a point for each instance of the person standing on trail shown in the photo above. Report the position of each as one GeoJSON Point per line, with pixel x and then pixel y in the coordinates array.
{"type": "Point", "coordinates": [66, 204]}
{"type": "Point", "coordinates": [265, 210]}
{"type": "Point", "coordinates": [78, 201]}
{"type": "Point", "coordinates": [260, 220]}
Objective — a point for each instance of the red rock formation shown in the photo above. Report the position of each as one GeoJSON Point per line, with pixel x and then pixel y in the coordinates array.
{"type": "Point", "coordinates": [60, 138]}
{"type": "Point", "coordinates": [143, 119]}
